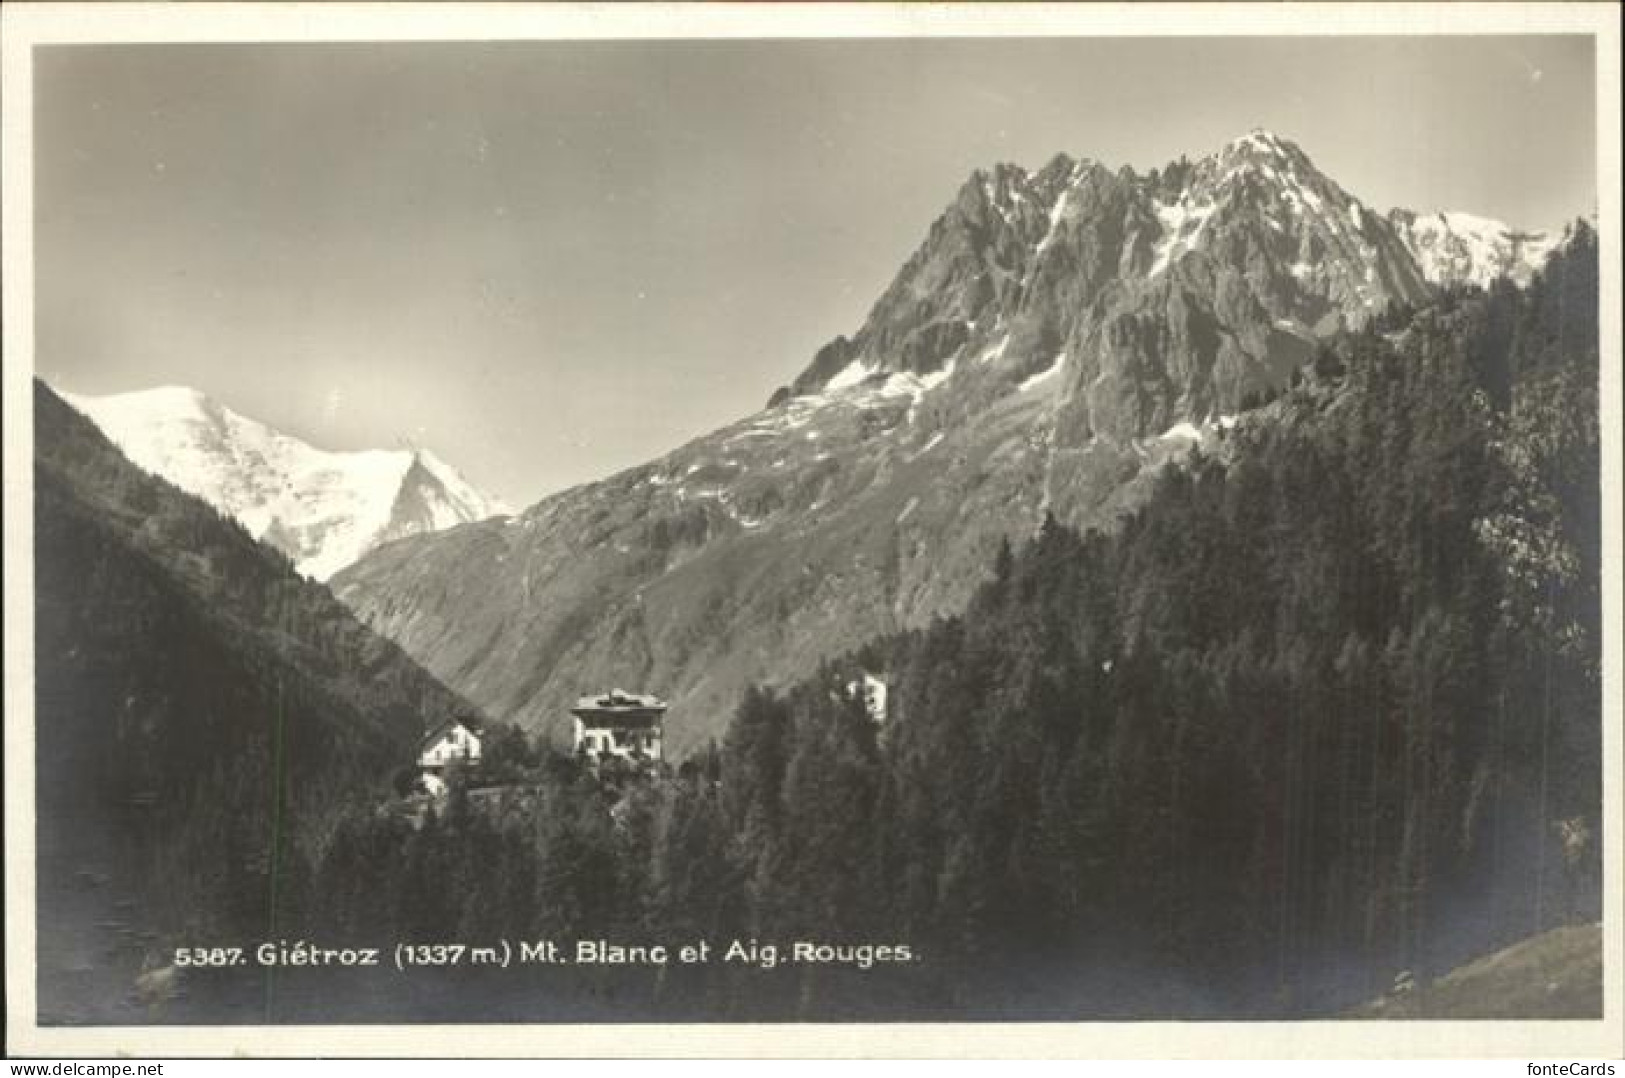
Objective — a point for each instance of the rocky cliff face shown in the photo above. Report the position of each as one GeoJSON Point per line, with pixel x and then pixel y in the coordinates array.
{"type": "Point", "coordinates": [1198, 270]}
{"type": "Point", "coordinates": [1058, 336]}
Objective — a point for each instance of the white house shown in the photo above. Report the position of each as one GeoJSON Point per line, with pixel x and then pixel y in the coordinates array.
{"type": "Point", "coordinates": [453, 741]}
{"type": "Point", "coordinates": [872, 691]}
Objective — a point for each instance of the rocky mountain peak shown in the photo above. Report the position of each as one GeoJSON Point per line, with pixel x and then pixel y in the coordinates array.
{"type": "Point", "coordinates": [1251, 249]}
{"type": "Point", "coordinates": [1262, 160]}
{"type": "Point", "coordinates": [1263, 143]}
{"type": "Point", "coordinates": [1030, 263]}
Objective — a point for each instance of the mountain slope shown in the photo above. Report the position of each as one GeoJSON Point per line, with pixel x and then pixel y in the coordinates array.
{"type": "Point", "coordinates": [323, 509]}
{"type": "Point", "coordinates": [1557, 974]}
{"type": "Point", "coordinates": [1056, 338]}
{"type": "Point", "coordinates": [200, 710]}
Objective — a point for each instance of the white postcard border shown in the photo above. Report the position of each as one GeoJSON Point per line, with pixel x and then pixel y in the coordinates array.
{"type": "Point", "coordinates": [24, 26]}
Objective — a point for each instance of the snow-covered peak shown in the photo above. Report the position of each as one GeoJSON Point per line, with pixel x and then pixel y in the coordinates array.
{"type": "Point", "coordinates": [1266, 184]}
{"type": "Point", "coordinates": [467, 498]}
{"type": "Point", "coordinates": [1463, 248]}
{"type": "Point", "coordinates": [1262, 141]}
{"type": "Point", "coordinates": [324, 509]}
{"type": "Point", "coordinates": [1262, 157]}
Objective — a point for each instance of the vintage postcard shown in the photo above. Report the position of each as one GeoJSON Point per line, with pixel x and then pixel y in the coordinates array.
{"type": "Point", "coordinates": [812, 530]}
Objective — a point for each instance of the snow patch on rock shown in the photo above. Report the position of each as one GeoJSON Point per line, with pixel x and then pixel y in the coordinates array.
{"type": "Point", "coordinates": [1182, 225]}
{"type": "Point", "coordinates": [1035, 380]}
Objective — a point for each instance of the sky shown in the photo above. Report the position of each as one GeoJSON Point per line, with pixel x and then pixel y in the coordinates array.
{"type": "Point", "coordinates": [550, 261]}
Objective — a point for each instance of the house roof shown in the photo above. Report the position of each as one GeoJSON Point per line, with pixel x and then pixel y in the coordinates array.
{"type": "Point", "coordinates": [618, 701]}
{"type": "Point", "coordinates": [444, 727]}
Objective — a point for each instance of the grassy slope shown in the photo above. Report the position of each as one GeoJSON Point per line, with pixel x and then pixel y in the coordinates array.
{"type": "Point", "coordinates": [1557, 974]}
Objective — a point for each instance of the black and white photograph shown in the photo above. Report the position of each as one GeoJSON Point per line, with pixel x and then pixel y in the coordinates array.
{"type": "Point", "coordinates": [715, 524]}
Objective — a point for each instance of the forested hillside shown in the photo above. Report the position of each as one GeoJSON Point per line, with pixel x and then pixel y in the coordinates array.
{"type": "Point", "coordinates": [200, 711]}
{"type": "Point", "coordinates": [1323, 712]}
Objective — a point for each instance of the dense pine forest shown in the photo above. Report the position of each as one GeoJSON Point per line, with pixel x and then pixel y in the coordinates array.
{"type": "Point", "coordinates": [1322, 713]}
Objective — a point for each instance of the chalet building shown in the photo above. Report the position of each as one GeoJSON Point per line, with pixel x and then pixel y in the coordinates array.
{"type": "Point", "coordinates": [453, 741]}
{"type": "Point", "coordinates": [619, 724]}
{"type": "Point", "coordinates": [872, 691]}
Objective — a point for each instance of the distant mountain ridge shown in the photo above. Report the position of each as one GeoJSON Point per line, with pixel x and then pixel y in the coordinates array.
{"type": "Point", "coordinates": [1461, 248]}
{"type": "Point", "coordinates": [323, 509]}
{"type": "Point", "coordinates": [1056, 338]}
